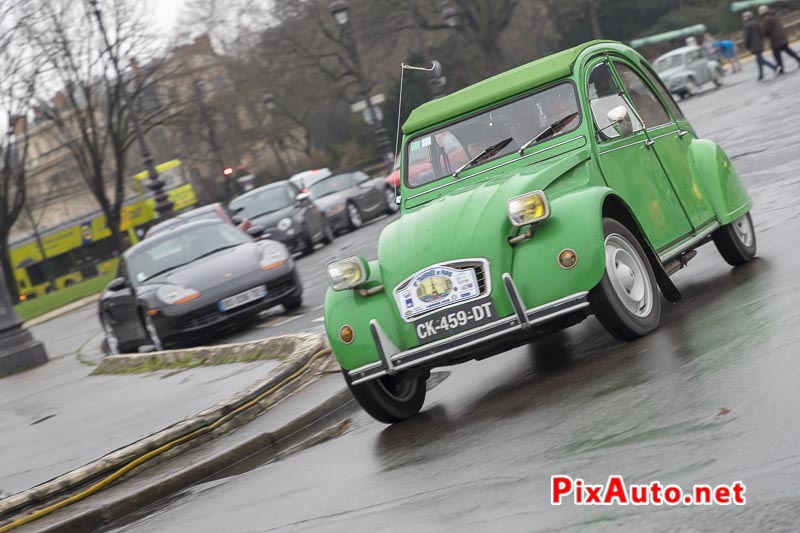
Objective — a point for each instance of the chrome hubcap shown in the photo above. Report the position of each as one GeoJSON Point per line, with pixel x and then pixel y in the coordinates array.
{"type": "Point", "coordinates": [390, 201]}
{"type": "Point", "coordinates": [628, 276]}
{"type": "Point", "coordinates": [111, 339]}
{"type": "Point", "coordinates": [153, 332]}
{"type": "Point", "coordinates": [355, 216]}
{"type": "Point", "coordinates": [743, 227]}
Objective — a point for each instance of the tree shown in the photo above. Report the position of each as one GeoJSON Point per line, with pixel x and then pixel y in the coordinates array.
{"type": "Point", "coordinates": [90, 111]}
{"type": "Point", "coordinates": [17, 80]}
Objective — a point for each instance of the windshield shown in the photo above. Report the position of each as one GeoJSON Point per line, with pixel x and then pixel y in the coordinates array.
{"type": "Point", "coordinates": [331, 185]}
{"type": "Point", "coordinates": [441, 152]}
{"type": "Point", "coordinates": [261, 202]}
{"type": "Point", "coordinates": [182, 248]}
{"type": "Point", "coordinates": [668, 62]}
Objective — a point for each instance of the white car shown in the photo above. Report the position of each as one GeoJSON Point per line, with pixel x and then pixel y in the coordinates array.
{"type": "Point", "coordinates": [686, 70]}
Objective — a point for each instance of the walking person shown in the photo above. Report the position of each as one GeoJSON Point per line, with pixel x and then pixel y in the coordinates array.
{"type": "Point", "coordinates": [729, 54]}
{"type": "Point", "coordinates": [754, 41]}
{"type": "Point", "coordinates": [773, 28]}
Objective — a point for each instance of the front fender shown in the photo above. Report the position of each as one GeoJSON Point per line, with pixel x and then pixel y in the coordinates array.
{"type": "Point", "coordinates": [576, 222]}
{"type": "Point", "coordinates": [721, 183]}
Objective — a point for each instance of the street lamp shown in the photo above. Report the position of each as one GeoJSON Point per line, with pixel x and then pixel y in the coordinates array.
{"type": "Point", "coordinates": [212, 135]}
{"type": "Point", "coordinates": [451, 16]}
{"type": "Point", "coordinates": [269, 105]}
{"type": "Point", "coordinates": [164, 207]}
{"type": "Point", "coordinates": [340, 11]}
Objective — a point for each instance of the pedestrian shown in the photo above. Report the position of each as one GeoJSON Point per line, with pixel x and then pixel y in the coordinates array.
{"type": "Point", "coordinates": [728, 53]}
{"type": "Point", "coordinates": [773, 28]}
{"type": "Point", "coordinates": [710, 47]}
{"type": "Point", "coordinates": [754, 41]}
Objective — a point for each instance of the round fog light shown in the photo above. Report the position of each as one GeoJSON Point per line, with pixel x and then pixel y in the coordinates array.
{"type": "Point", "coordinates": [347, 334]}
{"type": "Point", "coordinates": [567, 258]}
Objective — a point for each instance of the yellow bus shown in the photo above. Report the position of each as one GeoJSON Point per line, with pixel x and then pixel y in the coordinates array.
{"type": "Point", "coordinates": [82, 248]}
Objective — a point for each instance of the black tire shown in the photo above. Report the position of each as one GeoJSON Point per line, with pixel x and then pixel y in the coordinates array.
{"type": "Point", "coordinates": [627, 301]}
{"type": "Point", "coordinates": [354, 218]}
{"type": "Point", "coordinates": [736, 242]}
{"type": "Point", "coordinates": [391, 203]}
{"type": "Point", "coordinates": [327, 233]}
{"type": "Point", "coordinates": [308, 244]}
{"type": "Point", "coordinates": [293, 303]}
{"type": "Point", "coordinates": [390, 399]}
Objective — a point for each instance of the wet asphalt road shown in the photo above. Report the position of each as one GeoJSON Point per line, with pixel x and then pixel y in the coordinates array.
{"type": "Point", "coordinates": [711, 397]}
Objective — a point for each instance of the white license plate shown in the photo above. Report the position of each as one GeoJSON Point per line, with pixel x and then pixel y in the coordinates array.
{"type": "Point", "coordinates": [243, 298]}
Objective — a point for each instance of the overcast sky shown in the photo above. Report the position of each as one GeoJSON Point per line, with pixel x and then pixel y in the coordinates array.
{"type": "Point", "coordinates": [167, 13]}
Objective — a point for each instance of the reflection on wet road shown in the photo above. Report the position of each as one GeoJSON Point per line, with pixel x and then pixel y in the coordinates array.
{"type": "Point", "coordinates": [711, 397]}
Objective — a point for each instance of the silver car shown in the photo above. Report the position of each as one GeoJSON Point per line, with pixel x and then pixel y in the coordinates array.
{"type": "Point", "coordinates": [686, 70]}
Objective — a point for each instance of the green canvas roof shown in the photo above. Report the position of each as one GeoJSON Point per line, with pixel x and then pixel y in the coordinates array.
{"type": "Point", "coordinates": [496, 88]}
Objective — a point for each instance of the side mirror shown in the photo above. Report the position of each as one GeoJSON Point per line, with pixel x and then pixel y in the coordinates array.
{"type": "Point", "coordinates": [617, 114]}
{"type": "Point", "coordinates": [256, 231]}
{"type": "Point", "coordinates": [398, 199]}
{"type": "Point", "coordinates": [302, 197]}
{"type": "Point", "coordinates": [117, 284]}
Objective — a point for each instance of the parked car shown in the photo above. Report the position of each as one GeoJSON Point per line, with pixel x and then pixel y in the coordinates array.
{"type": "Point", "coordinates": [450, 150]}
{"type": "Point", "coordinates": [191, 280]}
{"type": "Point", "coordinates": [686, 70]}
{"type": "Point", "coordinates": [286, 214]}
{"type": "Point", "coordinates": [352, 198]}
{"type": "Point", "coordinates": [216, 211]}
{"type": "Point", "coordinates": [303, 180]}
{"type": "Point", "coordinates": [586, 187]}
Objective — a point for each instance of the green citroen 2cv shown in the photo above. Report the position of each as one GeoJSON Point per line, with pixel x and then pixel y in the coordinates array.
{"type": "Point", "coordinates": [569, 186]}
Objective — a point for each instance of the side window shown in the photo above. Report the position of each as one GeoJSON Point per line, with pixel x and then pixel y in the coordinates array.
{"type": "Point", "coordinates": [605, 95]}
{"type": "Point", "coordinates": [644, 100]}
{"type": "Point", "coordinates": [665, 96]}
{"type": "Point", "coordinates": [360, 177]}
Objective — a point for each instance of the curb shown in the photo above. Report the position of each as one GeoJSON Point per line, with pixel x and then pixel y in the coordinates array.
{"type": "Point", "coordinates": [306, 430]}
{"type": "Point", "coordinates": [55, 313]}
{"type": "Point", "coordinates": [299, 363]}
{"type": "Point", "coordinates": [282, 347]}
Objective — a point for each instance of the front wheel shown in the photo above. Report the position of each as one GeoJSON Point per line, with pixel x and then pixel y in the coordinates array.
{"type": "Point", "coordinates": [111, 339]}
{"type": "Point", "coordinates": [354, 216]}
{"type": "Point", "coordinates": [390, 399]}
{"type": "Point", "coordinates": [293, 303]}
{"type": "Point", "coordinates": [736, 242]}
{"type": "Point", "coordinates": [626, 301]}
{"type": "Point", "coordinates": [152, 332]}
{"type": "Point", "coordinates": [327, 233]}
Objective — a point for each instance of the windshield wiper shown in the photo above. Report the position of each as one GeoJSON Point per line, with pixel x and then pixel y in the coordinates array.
{"type": "Point", "coordinates": [179, 265]}
{"type": "Point", "coordinates": [267, 212]}
{"type": "Point", "coordinates": [168, 269]}
{"type": "Point", "coordinates": [486, 153]}
{"type": "Point", "coordinates": [549, 131]}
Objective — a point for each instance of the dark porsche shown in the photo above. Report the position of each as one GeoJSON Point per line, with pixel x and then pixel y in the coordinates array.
{"type": "Point", "coordinates": [192, 280]}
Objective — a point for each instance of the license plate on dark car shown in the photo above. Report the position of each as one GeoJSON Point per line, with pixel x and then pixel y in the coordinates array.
{"type": "Point", "coordinates": [243, 298]}
{"type": "Point", "coordinates": [453, 320]}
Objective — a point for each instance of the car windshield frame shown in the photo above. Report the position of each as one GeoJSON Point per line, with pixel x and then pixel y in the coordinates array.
{"type": "Point", "coordinates": [330, 178]}
{"type": "Point", "coordinates": [508, 150]}
{"type": "Point", "coordinates": [680, 57]}
{"type": "Point", "coordinates": [254, 199]}
{"type": "Point", "coordinates": [230, 238]}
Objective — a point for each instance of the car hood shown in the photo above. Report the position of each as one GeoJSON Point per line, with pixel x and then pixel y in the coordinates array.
{"type": "Point", "coordinates": [326, 202]}
{"type": "Point", "coordinates": [676, 72]}
{"type": "Point", "coordinates": [270, 220]}
{"type": "Point", "coordinates": [213, 270]}
{"type": "Point", "coordinates": [466, 223]}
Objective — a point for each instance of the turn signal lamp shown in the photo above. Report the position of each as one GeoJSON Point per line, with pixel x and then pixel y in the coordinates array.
{"type": "Point", "coordinates": [528, 208]}
{"type": "Point", "coordinates": [347, 334]}
{"type": "Point", "coordinates": [348, 273]}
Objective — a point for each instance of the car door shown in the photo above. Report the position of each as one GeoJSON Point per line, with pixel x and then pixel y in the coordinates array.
{"type": "Point", "coordinates": [307, 211]}
{"type": "Point", "coordinates": [628, 163]}
{"type": "Point", "coordinates": [121, 309]}
{"type": "Point", "coordinates": [697, 63]}
{"type": "Point", "coordinates": [672, 149]}
{"type": "Point", "coordinates": [368, 196]}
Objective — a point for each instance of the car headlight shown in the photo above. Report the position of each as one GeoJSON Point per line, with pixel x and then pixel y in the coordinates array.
{"type": "Point", "coordinates": [175, 295]}
{"type": "Point", "coordinates": [334, 210]}
{"type": "Point", "coordinates": [274, 255]}
{"type": "Point", "coordinates": [284, 224]}
{"type": "Point", "coordinates": [348, 273]}
{"type": "Point", "coordinates": [528, 208]}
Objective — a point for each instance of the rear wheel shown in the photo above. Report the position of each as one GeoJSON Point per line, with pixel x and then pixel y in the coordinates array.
{"type": "Point", "coordinates": [354, 216]}
{"type": "Point", "coordinates": [390, 399]}
{"type": "Point", "coordinates": [626, 301]}
{"type": "Point", "coordinates": [391, 202]}
{"type": "Point", "coordinates": [736, 242]}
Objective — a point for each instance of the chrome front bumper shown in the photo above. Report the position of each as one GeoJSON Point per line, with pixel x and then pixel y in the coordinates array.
{"type": "Point", "coordinates": [393, 360]}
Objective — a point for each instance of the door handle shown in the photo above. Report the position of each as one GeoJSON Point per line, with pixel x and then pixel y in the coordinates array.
{"type": "Point", "coordinates": [649, 142]}
{"type": "Point", "coordinates": [682, 134]}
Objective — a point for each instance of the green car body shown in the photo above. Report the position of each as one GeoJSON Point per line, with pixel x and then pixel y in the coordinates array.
{"type": "Point", "coordinates": [672, 190]}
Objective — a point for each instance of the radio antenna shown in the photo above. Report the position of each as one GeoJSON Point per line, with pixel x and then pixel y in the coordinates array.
{"type": "Point", "coordinates": [403, 68]}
